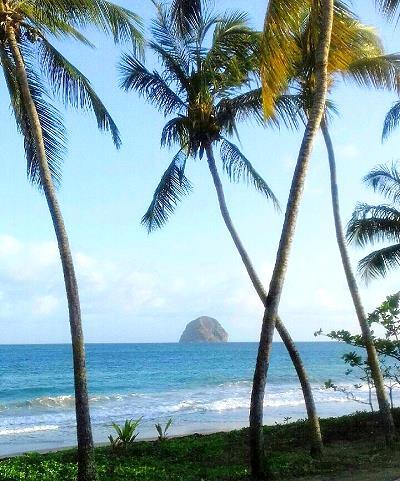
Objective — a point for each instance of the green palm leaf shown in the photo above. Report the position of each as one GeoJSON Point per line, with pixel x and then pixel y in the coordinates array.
{"type": "Point", "coordinates": [151, 85]}
{"type": "Point", "coordinates": [54, 133]}
{"type": "Point", "coordinates": [239, 169]}
{"type": "Point", "coordinates": [374, 223]}
{"type": "Point", "coordinates": [392, 120]}
{"type": "Point", "coordinates": [169, 192]}
{"type": "Point", "coordinates": [74, 88]}
{"type": "Point", "coordinates": [379, 263]}
{"type": "Point", "coordinates": [380, 72]}
{"type": "Point", "coordinates": [385, 180]}
{"type": "Point", "coordinates": [388, 7]}
{"type": "Point", "coordinates": [186, 14]}
{"type": "Point", "coordinates": [176, 132]}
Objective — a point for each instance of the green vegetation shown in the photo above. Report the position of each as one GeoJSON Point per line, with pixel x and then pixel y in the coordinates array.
{"type": "Point", "coordinates": [126, 434]}
{"type": "Point", "coordinates": [355, 449]}
{"type": "Point", "coordinates": [162, 431]}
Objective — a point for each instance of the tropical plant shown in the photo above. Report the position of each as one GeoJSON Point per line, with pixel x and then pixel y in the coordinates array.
{"type": "Point", "coordinates": [373, 224]}
{"type": "Point", "coordinates": [37, 74]}
{"type": "Point", "coordinates": [387, 318]}
{"type": "Point", "coordinates": [210, 90]}
{"type": "Point", "coordinates": [162, 431]}
{"type": "Point", "coordinates": [126, 434]}
{"type": "Point", "coordinates": [359, 364]}
{"type": "Point", "coordinates": [356, 55]}
{"type": "Point", "coordinates": [278, 30]}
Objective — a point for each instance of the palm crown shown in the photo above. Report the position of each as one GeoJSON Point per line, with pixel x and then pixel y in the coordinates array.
{"type": "Point", "coordinates": [50, 75]}
{"type": "Point", "coordinates": [208, 83]}
{"type": "Point", "coordinates": [372, 224]}
{"type": "Point", "coordinates": [356, 54]}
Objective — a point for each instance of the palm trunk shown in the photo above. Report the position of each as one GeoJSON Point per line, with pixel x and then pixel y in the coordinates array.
{"type": "Point", "coordinates": [282, 259]}
{"type": "Point", "coordinates": [373, 360]}
{"type": "Point", "coordinates": [315, 430]}
{"type": "Point", "coordinates": [86, 467]}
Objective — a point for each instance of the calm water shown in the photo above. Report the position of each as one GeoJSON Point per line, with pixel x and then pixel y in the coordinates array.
{"type": "Point", "coordinates": [202, 387]}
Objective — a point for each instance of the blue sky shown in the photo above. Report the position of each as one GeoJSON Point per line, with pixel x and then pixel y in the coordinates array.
{"type": "Point", "coordinates": [140, 288]}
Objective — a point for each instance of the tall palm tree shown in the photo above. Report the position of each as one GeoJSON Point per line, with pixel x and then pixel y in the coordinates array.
{"type": "Point", "coordinates": [372, 224]}
{"type": "Point", "coordinates": [356, 55]}
{"type": "Point", "coordinates": [321, 13]}
{"type": "Point", "coordinates": [35, 73]}
{"type": "Point", "coordinates": [207, 88]}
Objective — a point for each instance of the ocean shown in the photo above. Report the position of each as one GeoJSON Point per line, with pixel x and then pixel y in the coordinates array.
{"type": "Point", "coordinates": [204, 388]}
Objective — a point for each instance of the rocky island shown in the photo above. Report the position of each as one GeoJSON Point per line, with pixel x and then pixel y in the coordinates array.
{"type": "Point", "coordinates": [204, 329]}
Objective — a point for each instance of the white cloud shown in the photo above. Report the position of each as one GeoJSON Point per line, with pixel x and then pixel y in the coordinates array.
{"type": "Point", "coordinates": [45, 305]}
{"type": "Point", "coordinates": [347, 151]}
{"type": "Point", "coordinates": [9, 246]}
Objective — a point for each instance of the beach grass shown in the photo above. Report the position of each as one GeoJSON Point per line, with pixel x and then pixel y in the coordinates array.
{"type": "Point", "coordinates": [355, 451]}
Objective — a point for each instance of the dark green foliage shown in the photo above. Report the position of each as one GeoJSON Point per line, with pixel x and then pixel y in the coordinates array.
{"type": "Point", "coordinates": [353, 443]}
{"type": "Point", "coordinates": [374, 224]}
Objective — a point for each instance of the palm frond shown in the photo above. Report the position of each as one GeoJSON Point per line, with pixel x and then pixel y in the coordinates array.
{"type": "Point", "coordinates": [379, 263]}
{"type": "Point", "coordinates": [176, 132]}
{"type": "Point", "coordinates": [186, 14]}
{"type": "Point", "coordinates": [135, 76]}
{"type": "Point", "coordinates": [246, 106]}
{"type": "Point", "coordinates": [169, 192]}
{"type": "Point", "coordinates": [385, 180]}
{"type": "Point", "coordinates": [392, 120]}
{"type": "Point", "coordinates": [174, 70]}
{"type": "Point", "coordinates": [371, 224]}
{"type": "Point", "coordinates": [389, 8]}
{"type": "Point", "coordinates": [279, 38]}
{"type": "Point", "coordinates": [168, 36]}
{"type": "Point", "coordinates": [239, 168]}
{"type": "Point", "coordinates": [74, 88]}
{"type": "Point", "coordinates": [232, 46]}
{"type": "Point", "coordinates": [289, 111]}
{"type": "Point", "coordinates": [122, 24]}
{"type": "Point", "coordinates": [380, 72]}
{"type": "Point", "coordinates": [54, 133]}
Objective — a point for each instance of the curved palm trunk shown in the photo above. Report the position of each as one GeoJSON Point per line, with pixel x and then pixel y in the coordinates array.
{"type": "Point", "coordinates": [282, 259]}
{"type": "Point", "coordinates": [86, 467]}
{"type": "Point", "coordinates": [315, 430]}
{"type": "Point", "coordinates": [373, 361]}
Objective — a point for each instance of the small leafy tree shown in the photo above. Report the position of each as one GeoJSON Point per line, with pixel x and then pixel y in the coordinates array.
{"type": "Point", "coordinates": [386, 317]}
{"type": "Point", "coordinates": [359, 364]}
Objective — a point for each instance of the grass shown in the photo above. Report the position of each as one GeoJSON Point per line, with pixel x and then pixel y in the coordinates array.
{"type": "Point", "coordinates": [355, 451]}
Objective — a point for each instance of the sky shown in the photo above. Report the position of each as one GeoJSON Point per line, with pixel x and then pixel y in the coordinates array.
{"type": "Point", "coordinates": [140, 288]}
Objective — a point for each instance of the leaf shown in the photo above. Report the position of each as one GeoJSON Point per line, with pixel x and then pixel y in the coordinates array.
{"type": "Point", "coordinates": [169, 192]}
{"type": "Point", "coordinates": [239, 168]}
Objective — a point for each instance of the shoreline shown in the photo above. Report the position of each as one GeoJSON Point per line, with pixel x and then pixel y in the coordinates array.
{"type": "Point", "coordinates": [354, 450]}
{"type": "Point", "coordinates": [146, 439]}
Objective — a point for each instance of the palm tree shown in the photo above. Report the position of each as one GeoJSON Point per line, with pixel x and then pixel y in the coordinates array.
{"type": "Point", "coordinates": [322, 14]}
{"type": "Point", "coordinates": [357, 55]}
{"type": "Point", "coordinates": [205, 89]}
{"type": "Point", "coordinates": [371, 224]}
{"type": "Point", "coordinates": [35, 72]}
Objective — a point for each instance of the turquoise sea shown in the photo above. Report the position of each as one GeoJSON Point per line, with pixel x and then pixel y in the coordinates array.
{"type": "Point", "coordinates": [203, 387]}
